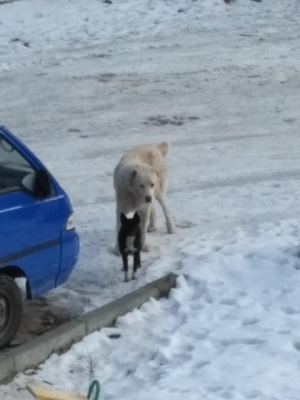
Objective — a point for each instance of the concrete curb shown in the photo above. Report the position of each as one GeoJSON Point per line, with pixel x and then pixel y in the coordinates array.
{"type": "Point", "coordinates": [36, 351]}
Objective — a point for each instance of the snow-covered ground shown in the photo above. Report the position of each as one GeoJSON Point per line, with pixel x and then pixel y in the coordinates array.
{"type": "Point", "coordinates": [229, 331]}
{"type": "Point", "coordinates": [221, 83]}
{"type": "Point", "coordinates": [33, 31]}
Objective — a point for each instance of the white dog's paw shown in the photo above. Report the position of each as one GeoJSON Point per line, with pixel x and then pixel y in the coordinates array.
{"type": "Point", "coordinates": [146, 248]}
{"type": "Point", "coordinates": [170, 227]}
{"type": "Point", "coordinates": [151, 229]}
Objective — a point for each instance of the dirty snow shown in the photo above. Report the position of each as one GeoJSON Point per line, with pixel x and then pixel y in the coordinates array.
{"type": "Point", "coordinates": [82, 82]}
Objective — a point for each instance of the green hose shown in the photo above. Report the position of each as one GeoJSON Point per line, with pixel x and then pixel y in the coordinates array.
{"type": "Point", "coordinates": [94, 391]}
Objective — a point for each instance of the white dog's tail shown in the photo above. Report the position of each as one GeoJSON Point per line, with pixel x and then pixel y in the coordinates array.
{"type": "Point", "coordinates": [164, 148]}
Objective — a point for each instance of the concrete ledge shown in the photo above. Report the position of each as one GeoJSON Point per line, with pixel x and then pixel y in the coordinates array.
{"type": "Point", "coordinates": [36, 351]}
{"type": "Point", "coordinates": [164, 285]}
{"type": "Point", "coordinates": [6, 366]}
{"type": "Point", "coordinates": [107, 315]}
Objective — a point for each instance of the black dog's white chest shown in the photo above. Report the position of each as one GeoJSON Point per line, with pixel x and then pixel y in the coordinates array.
{"type": "Point", "coordinates": [130, 245]}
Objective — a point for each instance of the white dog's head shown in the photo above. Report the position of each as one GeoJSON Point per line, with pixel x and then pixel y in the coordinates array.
{"type": "Point", "coordinates": [143, 180]}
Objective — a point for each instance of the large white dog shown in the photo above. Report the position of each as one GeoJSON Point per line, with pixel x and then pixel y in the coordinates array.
{"type": "Point", "coordinates": [139, 177]}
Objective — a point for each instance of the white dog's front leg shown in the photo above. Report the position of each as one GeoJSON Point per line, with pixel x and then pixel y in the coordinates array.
{"type": "Point", "coordinates": [144, 215]}
{"type": "Point", "coordinates": [118, 224]}
{"type": "Point", "coordinates": [151, 226]}
{"type": "Point", "coordinates": [169, 219]}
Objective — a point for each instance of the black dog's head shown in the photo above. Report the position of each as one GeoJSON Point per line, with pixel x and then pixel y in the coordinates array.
{"type": "Point", "coordinates": [130, 225]}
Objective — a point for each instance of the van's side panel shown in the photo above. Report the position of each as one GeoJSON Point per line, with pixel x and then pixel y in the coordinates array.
{"type": "Point", "coordinates": [69, 255]}
{"type": "Point", "coordinates": [32, 232]}
{"type": "Point", "coordinates": [30, 237]}
{"type": "Point", "coordinates": [69, 241]}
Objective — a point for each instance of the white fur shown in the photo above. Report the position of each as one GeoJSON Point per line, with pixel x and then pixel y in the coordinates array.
{"type": "Point", "coordinates": [130, 244]}
{"type": "Point", "coordinates": [141, 173]}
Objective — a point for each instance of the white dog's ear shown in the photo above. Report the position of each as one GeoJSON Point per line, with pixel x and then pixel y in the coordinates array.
{"type": "Point", "coordinates": [133, 175]}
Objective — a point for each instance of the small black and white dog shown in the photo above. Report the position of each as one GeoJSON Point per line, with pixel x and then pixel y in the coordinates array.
{"type": "Point", "coordinates": [130, 243]}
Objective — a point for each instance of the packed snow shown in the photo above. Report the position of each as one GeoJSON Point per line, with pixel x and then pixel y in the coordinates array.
{"type": "Point", "coordinates": [38, 32]}
{"type": "Point", "coordinates": [80, 83]}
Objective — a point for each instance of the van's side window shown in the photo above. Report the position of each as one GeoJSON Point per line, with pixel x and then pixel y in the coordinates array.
{"type": "Point", "coordinates": [15, 171]}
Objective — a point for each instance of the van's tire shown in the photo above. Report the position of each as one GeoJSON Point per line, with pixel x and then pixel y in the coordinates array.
{"type": "Point", "coordinates": [11, 306]}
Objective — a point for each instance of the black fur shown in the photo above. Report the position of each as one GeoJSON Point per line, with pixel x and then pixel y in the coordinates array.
{"type": "Point", "coordinates": [130, 227]}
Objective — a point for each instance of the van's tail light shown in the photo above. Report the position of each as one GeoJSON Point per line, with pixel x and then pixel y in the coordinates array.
{"type": "Point", "coordinates": [70, 223]}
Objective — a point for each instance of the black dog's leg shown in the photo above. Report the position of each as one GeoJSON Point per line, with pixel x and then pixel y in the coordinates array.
{"type": "Point", "coordinates": [136, 264]}
{"type": "Point", "coordinates": [125, 265]}
{"type": "Point", "coordinates": [138, 256]}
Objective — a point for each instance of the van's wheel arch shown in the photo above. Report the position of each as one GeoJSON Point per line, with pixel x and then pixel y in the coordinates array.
{"type": "Point", "coordinates": [11, 307]}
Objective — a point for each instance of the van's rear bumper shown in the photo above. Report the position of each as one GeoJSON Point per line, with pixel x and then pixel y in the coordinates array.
{"type": "Point", "coordinates": [69, 255]}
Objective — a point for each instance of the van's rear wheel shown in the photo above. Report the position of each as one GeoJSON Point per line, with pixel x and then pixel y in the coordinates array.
{"type": "Point", "coordinates": [11, 305]}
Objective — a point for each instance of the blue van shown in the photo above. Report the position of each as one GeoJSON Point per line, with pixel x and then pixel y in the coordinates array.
{"type": "Point", "coordinates": [38, 240]}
